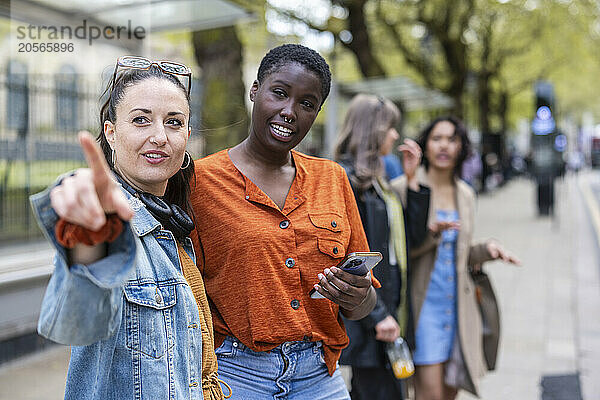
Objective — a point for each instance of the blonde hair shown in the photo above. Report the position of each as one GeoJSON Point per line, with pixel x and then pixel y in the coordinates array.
{"type": "Point", "coordinates": [364, 130]}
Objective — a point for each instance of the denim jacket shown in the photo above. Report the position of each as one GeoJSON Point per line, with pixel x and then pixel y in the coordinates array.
{"type": "Point", "coordinates": [131, 317]}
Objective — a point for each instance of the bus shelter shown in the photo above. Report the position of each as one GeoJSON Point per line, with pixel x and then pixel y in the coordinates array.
{"type": "Point", "coordinates": [410, 97]}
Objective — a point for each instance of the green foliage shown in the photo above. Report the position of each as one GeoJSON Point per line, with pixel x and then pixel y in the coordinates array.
{"type": "Point", "coordinates": [491, 48]}
{"type": "Point", "coordinates": [19, 174]}
{"type": "Point", "coordinates": [4, 28]}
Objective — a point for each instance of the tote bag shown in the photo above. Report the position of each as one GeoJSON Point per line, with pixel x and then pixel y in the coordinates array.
{"type": "Point", "coordinates": [490, 316]}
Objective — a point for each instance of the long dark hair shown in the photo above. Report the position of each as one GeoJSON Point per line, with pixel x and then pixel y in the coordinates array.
{"type": "Point", "coordinates": [178, 186]}
{"type": "Point", "coordinates": [459, 130]}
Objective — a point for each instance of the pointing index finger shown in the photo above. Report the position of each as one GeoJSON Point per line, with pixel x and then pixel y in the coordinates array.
{"type": "Point", "coordinates": [95, 159]}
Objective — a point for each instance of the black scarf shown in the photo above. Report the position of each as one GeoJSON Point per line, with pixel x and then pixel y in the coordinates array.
{"type": "Point", "coordinates": [171, 216]}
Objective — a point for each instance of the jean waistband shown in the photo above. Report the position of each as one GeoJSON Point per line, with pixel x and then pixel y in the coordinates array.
{"type": "Point", "coordinates": [285, 347]}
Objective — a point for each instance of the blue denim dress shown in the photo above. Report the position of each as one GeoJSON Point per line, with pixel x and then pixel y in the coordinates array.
{"type": "Point", "coordinates": [437, 321]}
{"type": "Point", "coordinates": [131, 317]}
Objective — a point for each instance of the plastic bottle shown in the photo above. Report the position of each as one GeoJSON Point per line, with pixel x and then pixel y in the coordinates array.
{"type": "Point", "coordinates": [400, 358]}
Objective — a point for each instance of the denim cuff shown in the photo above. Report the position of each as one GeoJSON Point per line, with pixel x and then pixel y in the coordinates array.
{"type": "Point", "coordinates": [108, 272]}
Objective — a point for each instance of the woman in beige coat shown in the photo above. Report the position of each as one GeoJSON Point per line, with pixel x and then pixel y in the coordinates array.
{"type": "Point", "coordinates": [449, 349]}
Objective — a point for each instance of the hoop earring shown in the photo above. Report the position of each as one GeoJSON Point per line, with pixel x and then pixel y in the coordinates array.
{"type": "Point", "coordinates": [112, 157]}
{"type": "Point", "coordinates": [188, 158]}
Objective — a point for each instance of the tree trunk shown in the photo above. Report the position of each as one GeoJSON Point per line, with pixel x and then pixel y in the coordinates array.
{"type": "Point", "coordinates": [503, 111]}
{"type": "Point", "coordinates": [361, 43]}
{"type": "Point", "coordinates": [457, 98]}
{"type": "Point", "coordinates": [483, 96]}
{"type": "Point", "coordinates": [224, 121]}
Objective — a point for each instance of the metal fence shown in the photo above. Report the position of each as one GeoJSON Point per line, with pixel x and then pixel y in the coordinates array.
{"type": "Point", "coordinates": [40, 116]}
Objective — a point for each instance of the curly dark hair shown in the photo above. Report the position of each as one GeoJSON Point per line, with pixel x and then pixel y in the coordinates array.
{"type": "Point", "coordinates": [459, 130]}
{"type": "Point", "coordinates": [296, 53]}
{"type": "Point", "coordinates": [178, 188]}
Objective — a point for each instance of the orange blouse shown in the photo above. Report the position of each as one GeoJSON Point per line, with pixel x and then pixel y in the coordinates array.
{"type": "Point", "coordinates": [259, 263]}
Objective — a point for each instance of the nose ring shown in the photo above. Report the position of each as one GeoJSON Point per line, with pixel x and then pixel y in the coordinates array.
{"type": "Point", "coordinates": [288, 120]}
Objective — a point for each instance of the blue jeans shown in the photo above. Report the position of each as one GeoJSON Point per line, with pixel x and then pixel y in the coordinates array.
{"type": "Point", "coordinates": [291, 371]}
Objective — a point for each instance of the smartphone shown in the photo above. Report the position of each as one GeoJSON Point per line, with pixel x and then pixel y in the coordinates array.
{"type": "Point", "coordinates": [359, 263]}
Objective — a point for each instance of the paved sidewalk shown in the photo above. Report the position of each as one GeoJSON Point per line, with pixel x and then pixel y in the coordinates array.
{"type": "Point", "coordinates": [39, 376]}
{"type": "Point", "coordinates": [550, 307]}
{"type": "Point", "coordinates": [24, 273]}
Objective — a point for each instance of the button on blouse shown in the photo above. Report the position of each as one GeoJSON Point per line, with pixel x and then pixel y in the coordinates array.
{"type": "Point", "coordinates": [245, 243]}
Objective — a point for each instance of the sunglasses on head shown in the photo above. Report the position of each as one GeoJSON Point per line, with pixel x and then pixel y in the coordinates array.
{"type": "Point", "coordinates": [142, 63]}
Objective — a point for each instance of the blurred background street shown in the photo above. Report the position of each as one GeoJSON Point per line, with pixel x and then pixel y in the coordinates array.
{"type": "Point", "coordinates": [521, 74]}
{"type": "Point", "coordinates": [550, 341]}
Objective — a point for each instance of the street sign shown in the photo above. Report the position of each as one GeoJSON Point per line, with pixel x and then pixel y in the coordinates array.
{"type": "Point", "coordinates": [543, 123]}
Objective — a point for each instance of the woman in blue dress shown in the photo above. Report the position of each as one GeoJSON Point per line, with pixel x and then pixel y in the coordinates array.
{"type": "Point", "coordinates": [448, 353]}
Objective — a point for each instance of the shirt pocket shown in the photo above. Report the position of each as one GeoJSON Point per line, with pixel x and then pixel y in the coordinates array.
{"type": "Point", "coordinates": [150, 318]}
{"type": "Point", "coordinates": [332, 233]}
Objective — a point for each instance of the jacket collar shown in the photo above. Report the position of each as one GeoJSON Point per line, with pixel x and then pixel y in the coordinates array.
{"type": "Point", "coordinates": [422, 177]}
{"type": "Point", "coordinates": [142, 222]}
{"type": "Point", "coordinates": [347, 162]}
{"type": "Point", "coordinates": [458, 193]}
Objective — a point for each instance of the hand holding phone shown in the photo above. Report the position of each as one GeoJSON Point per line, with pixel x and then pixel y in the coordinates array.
{"type": "Point", "coordinates": [358, 263]}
